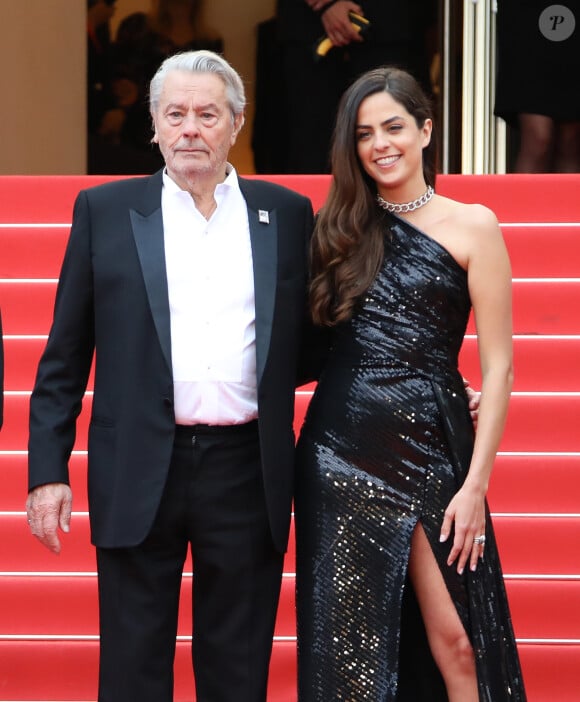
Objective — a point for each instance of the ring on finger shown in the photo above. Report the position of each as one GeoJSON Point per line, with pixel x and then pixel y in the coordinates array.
{"type": "Point", "coordinates": [479, 540]}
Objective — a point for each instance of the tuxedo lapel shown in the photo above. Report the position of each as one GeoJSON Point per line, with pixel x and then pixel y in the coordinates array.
{"type": "Point", "coordinates": [264, 240]}
{"type": "Point", "coordinates": [147, 224]}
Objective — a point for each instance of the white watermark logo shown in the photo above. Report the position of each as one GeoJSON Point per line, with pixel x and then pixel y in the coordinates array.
{"type": "Point", "coordinates": [557, 23]}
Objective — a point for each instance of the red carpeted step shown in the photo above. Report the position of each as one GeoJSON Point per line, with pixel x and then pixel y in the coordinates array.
{"type": "Point", "coordinates": [549, 251]}
{"type": "Point", "coordinates": [32, 252]}
{"type": "Point", "coordinates": [550, 671]}
{"type": "Point", "coordinates": [538, 545]}
{"type": "Point", "coordinates": [542, 423]}
{"type": "Point", "coordinates": [529, 545]}
{"type": "Point", "coordinates": [521, 197]}
{"type": "Point", "coordinates": [67, 606]}
{"type": "Point", "coordinates": [21, 357]}
{"type": "Point", "coordinates": [536, 422]}
{"type": "Point", "coordinates": [545, 307]}
{"type": "Point", "coordinates": [535, 483]}
{"type": "Point", "coordinates": [54, 197]}
{"type": "Point", "coordinates": [558, 617]}
{"type": "Point", "coordinates": [27, 308]}
{"type": "Point", "coordinates": [518, 197]}
{"type": "Point", "coordinates": [67, 670]}
{"type": "Point", "coordinates": [37, 251]}
{"type": "Point", "coordinates": [520, 483]}
{"type": "Point", "coordinates": [21, 552]}
{"type": "Point", "coordinates": [557, 357]}
{"type": "Point", "coordinates": [13, 468]}
{"type": "Point", "coordinates": [541, 363]}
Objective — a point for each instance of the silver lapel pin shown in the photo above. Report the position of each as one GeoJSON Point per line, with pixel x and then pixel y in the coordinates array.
{"type": "Point", "coordinates": [263, 217]}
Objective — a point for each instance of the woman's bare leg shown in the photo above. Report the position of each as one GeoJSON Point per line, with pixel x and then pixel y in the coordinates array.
{"type": "Point", "coordinates": [447, 637]}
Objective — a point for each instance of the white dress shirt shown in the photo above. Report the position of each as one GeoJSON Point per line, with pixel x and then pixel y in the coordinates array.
{"type": "Point", "coordinates": [211, 301]}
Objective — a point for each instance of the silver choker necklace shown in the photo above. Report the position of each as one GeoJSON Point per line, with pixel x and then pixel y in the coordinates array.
{"type": "Point", "coordinates": [398, 207]}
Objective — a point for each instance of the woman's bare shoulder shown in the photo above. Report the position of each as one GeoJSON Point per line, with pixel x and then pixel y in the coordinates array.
{"type": "Point", "coordinates": [470, 219]}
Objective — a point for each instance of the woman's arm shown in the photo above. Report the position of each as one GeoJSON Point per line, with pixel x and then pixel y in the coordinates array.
{"type": "Point", "coordinates": [489, 279]}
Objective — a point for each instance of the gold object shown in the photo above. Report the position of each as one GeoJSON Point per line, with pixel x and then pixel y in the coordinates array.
{"type": "Point", "coordinates": [324, 45]}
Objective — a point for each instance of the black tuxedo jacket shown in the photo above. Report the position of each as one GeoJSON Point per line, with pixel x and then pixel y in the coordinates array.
{"type": "Point", "coordinates": [112, 301]}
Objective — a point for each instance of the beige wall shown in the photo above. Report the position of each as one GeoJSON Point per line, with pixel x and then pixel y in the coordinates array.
{"type": "Point", "coordinates": [42, 81]}
{"type": "Point", "coordinates": [42, 87]}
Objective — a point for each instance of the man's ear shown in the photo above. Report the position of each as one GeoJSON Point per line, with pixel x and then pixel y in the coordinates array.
{"type": "Point", "coordinates": [239, 120]}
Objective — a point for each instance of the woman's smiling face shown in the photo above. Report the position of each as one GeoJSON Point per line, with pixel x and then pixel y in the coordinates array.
{"type": "Point", "coordinates": [389, 142]}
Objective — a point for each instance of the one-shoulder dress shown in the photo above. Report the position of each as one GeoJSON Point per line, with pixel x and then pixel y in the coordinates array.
{"type": "Point", "coordinates": [386, 444]}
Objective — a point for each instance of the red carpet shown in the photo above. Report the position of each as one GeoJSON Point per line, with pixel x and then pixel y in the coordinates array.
{"type": "Point", "coordinates": [48, 604]}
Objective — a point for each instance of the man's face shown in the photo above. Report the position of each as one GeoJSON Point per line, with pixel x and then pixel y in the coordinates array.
{"type": "Point", "coordinates": [194, 126]}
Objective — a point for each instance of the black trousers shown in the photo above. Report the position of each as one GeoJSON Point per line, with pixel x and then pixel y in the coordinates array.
{"type": "Point", "coordinates": [213, 502]}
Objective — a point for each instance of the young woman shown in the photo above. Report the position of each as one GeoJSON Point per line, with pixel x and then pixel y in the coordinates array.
{"type": "Point", "coordinates": [399, 586]}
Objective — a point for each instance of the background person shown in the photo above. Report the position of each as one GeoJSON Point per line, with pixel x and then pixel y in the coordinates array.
{"type": "Point", "coordinates": [397, 35]}
{"type": "Point", "coordinates": [538, 51]}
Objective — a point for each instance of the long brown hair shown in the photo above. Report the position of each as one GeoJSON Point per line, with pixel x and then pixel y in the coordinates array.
{"type": "Point", "coordinates": [348, 242]}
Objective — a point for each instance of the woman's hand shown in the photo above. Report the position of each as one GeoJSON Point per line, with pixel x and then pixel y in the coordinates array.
{"type": "Point", "coordinates": [466, 513]}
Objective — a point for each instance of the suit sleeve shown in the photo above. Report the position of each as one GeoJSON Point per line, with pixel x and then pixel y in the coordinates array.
{"type": "Point", "coordinates": [64, 367]}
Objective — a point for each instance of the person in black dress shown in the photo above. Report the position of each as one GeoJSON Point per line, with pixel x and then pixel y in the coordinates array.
{"type": "Point", "coordinates": [400, 593]}
{"type": "Point", "coordinates": [538, 52]}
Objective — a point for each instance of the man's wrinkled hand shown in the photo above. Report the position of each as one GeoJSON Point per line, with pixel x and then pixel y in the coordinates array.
{"type": "Point", "coordinates": [49, 508]}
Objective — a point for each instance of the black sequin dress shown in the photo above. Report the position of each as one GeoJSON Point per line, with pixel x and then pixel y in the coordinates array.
{"type": "Point", "coordinates": [386, 443]}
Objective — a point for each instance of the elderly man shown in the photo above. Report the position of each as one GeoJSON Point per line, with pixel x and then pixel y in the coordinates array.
{"type": "Point", "coordinates": [190, 287]}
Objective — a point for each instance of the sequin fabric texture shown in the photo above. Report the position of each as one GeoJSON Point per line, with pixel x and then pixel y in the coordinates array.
{"type": "Point", "coordinates": [386, 443]}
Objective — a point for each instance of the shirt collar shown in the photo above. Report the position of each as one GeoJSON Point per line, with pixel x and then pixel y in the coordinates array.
{"type": "Point", "coordinates": [229, 183]}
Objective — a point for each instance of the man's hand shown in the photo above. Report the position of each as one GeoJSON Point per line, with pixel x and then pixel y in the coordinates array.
{"type": "Point", "coordinates": [337, 23]}
{"type": "Point", "coordinates": [49, 507]}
